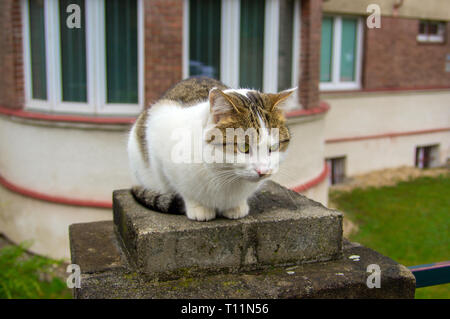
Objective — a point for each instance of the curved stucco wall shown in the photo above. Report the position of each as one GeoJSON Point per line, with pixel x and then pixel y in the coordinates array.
{"type": "Point", "coordinates": [45, 224]}
{"type": "Point", "coordinates": [81, 162]}
{"type": "Point", "coordinates": [88, 161]}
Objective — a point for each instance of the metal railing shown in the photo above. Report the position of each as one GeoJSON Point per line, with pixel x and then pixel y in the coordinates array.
{"type": "Point", "coordinates": [431, 274]}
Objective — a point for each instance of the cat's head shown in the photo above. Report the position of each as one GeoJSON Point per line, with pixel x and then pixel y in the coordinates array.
{"type": "Point", "coordinates": [252, 130]}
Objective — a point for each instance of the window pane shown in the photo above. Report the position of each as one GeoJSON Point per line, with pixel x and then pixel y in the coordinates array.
{"type": "Point", "coordinates": [433, 28]}
{"type": "Point", "coordinates": [121, 51]}
{"type": "Point", "coordinates": [286, 30]}
{"type": "Point", "coordinates": [37, 46]}
{"type": "Point", "coordinates": [251, 44]}
{"type": "Point", "coordinates": [73, 55]}
{"type": "Point", "coordinates": [326, 49]}
{"type": "Point", "coordinates": [348, 50]}
{"type": "Point", "coordinates": [204, 38]}
{"type": "Point", "coordinates": [422, 27]}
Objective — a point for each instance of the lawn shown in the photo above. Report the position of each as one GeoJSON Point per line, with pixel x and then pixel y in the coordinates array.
{"type": "Point", "coordinates": [25, 276]}
{"type": "Point", "coordinates": [409, 222]}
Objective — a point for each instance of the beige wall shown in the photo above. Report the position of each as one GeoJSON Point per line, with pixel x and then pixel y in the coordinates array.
{"type": "Point", "coordinates": [368, 155]}
{"type": "Point", "coordinates": [421, 9]}
{"type": "Point", "coordinates": [365, 114]}
{"type": "Point", "coordinates": [356, 114]}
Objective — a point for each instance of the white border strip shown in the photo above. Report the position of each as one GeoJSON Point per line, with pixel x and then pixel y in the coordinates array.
{"type": "Point", "coordinates": [230, 42]}
{"type": "Point", "coordinates": [296, 44]}
{"type": "Point", "coordinates": [186, 39]}
{"type": "Point", "coordinates": [271, 41]}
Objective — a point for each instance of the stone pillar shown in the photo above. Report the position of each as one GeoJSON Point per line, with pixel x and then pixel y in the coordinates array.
{"type": "Point", "coordinates": [288, 247]}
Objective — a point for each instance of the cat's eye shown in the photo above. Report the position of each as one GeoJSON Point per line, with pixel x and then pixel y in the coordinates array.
{"type": "Point", "coordinates": [274, 147]}
{"type": "Point", "coordinates": [243, 147]}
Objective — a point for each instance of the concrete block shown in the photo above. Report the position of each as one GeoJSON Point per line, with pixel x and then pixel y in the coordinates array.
{"type": "Point", "coordinates": [283, 228]}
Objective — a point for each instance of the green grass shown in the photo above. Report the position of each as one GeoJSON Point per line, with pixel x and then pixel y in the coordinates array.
{"type": "Point", "coordinates": [409, 222]}
{"type": "Point", "coordinates": [29, 277]}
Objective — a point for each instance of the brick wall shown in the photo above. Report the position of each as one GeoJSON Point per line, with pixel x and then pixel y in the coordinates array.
{"type": "Point", "coordinates": [311, 22]}
{"type": "Point", "coordinates": [394, 59]}
{"type": "Point", "coordinates": [163, 46]}
{"type": "Point", "coordinates": [11, 62]}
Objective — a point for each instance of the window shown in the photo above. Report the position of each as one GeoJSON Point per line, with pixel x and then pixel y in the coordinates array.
{"type": "Point", "coordinates": [336, 170]}
{"type": "Point", "coordinates": [204, 32]}
{"type": "Point", "coordinates": [244, 43]}
{"type": "Point", "coordinates": [431, 31]}
{"type": "Point", "coordinates": [37, 44]}
{"type": "Point", "coordinates": [73, 57]}
{"type": "Point", "coordinates": [251, 57]}
{"type": "Point", "coordinates": [341, 51]}
{"type": "Point", "coordinates": [427, 156]}
{"type": "Point", "coordinates": [93, 69]}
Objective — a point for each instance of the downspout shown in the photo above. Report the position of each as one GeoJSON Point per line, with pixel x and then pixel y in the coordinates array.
{"type": "Point", "coordinates": [396, 6]}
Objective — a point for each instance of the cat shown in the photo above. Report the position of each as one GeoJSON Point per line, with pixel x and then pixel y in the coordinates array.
{"type": "Point", "coordinates": [196, 107]}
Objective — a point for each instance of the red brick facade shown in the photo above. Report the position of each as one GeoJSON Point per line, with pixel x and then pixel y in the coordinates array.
{"type": "Point", "coordinates": [163, 46]}
{"type": "Point", "coordinates": [311, 22]}
{"type": "Point", "coordinates": [394, 59]}
{"type": "Point", "coordinates": [12, 93]}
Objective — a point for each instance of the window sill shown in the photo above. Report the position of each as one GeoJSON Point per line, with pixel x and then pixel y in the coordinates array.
{"type": "Point", "coordinates": [84, 109]}
{"type": "Point", "coordinates": [67, 118]}
{"type": "Point", "coordinates": [386, 90]}
{"type": "Point", "coordinates": [349, 86]}
{"type": "Point", "coordinates": [430, 39]}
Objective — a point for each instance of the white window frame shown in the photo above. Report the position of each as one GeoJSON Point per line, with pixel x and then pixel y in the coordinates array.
{"type": "Point", "coordinates": [432, 38]}
{"type": "Point", "coordinates": [95, 63]}
{"type": "Point", "coordinates": [335, 83]}
{"type": "Point", "coordinates": [230, 42]}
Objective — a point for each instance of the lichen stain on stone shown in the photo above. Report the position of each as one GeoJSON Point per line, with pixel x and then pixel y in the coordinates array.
{"type": "Point", "coordinates": [130, 276]}
{"type": "Point", "coordinates": [230, 283]}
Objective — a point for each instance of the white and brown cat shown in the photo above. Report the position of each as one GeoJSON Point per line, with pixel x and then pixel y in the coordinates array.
{"type": "Point", "coordinates": [203, 189]}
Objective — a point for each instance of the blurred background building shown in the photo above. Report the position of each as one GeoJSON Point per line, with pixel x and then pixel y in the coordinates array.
{"type": "Point", "coordinates": [369, 98]}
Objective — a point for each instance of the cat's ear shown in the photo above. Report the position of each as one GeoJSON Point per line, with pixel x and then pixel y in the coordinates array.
{"type": "Point", "coordinates": [221, 104]}
{"type": "Point", "coordinates": [285, 100]}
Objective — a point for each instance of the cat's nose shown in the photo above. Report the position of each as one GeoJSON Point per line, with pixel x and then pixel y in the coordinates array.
{"type": "Point", "coordinates": [262, 171]}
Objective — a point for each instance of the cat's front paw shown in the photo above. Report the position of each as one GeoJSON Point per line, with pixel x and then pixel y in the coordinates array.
{"type": "Point", "coordinates": [237, 212]}
{"type": "Point", "coordinates": [195, 211]}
